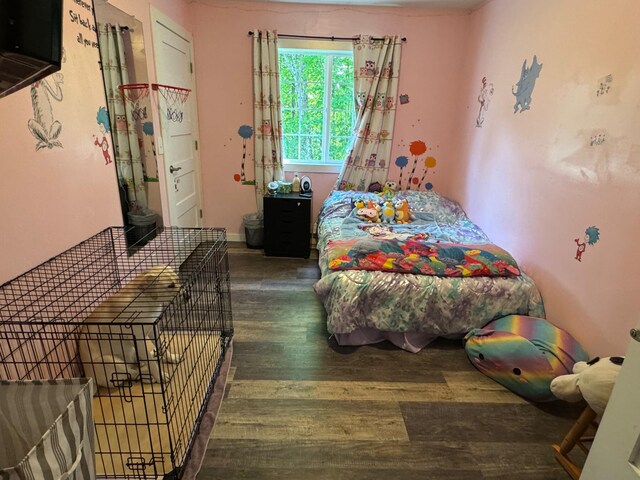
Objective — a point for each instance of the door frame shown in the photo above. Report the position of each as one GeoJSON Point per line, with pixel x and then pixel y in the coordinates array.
{"type": "Point", "coordinates": [156, 17]}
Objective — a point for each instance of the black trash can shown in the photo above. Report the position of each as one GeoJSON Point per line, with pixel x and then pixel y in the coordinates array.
{"type": "Point", "coordinates": [254, 229]}
{"type": "Point", "coordinates": [143, 226]}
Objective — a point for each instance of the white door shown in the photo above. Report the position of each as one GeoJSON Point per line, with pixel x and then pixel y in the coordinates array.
{"type": "Point", "coordinates": [173, 54]}
{"type": "Point", "coordinates": [615, 453]}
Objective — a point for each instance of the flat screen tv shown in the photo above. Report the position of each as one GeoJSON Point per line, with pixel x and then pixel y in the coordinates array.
{"type": "Point", "coordinates": [30, 42]}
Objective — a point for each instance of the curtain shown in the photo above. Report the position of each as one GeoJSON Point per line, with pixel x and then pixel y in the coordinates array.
{"type": "Point", "coordinates": [376, 65]}
{"type": "Point", "coordinates": [267, 121]}
{"type": "Point", "coordinates": [125, 137]}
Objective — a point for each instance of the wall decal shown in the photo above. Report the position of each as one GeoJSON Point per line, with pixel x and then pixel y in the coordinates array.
{"type": "Point", "coordinates": [43, 126]}
{"type": "Point", "coordinates": [591, 237]}
{"type": "Point", "coordinates": [486, 92]}
{"type": "Point", "coordinates": [102, 117]}
{"type": "Point", "coordinates": [417, 148]}
{"type": "Point", "coordinates": [147, 128]}
{"type": "Point", "coordinates": [429, 162]}
{"type": "Point", "coordinates": [604, 85]}
{"type": "Point", "coordinates": [597, 139]}
{"type": "Point", "coordinates": [246, 132]}
{"type": "Point", "coordinates": [524, 87]}
{"type": "Point", "coordinates": [404, 99]}
{"type": "Point", "coordinates": [401, 162]}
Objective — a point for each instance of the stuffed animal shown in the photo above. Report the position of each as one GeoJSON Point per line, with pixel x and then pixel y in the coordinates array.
{"type": "Point", "coordinates": [358, 203]}
{"type": "Point", "coordinates": [368, 215]}
{"type": "Point", "coordinates": [524, 354]}
{"type": "Point", "coordinates": [388, 213]}
{"type": "Point", "coordinates": [375, 187]}
{"type": "Point", "coordinates": [389, 190]}
{"type": "Point", "coordinates": [403, 214]}
{"type": "Point", "coordinates": [592, 380]}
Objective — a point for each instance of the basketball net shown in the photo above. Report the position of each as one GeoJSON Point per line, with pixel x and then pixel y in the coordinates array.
{"type": "Point", "coordinates": [174, 100]}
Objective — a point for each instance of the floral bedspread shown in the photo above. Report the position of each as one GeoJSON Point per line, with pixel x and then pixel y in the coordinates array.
{"type": "Point", "coordinates": [408, 302]}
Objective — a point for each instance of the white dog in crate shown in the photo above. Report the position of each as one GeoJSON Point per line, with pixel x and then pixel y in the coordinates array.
{"type": "Point", "coordinates": [108, 351]}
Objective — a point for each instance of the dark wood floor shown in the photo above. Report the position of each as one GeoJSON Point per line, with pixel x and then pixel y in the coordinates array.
{"type": "Point", "coordinates": [298, 406]}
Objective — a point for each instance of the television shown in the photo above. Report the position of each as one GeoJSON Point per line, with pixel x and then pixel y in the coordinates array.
{"type": "Point", "coordinates": [30, 42]}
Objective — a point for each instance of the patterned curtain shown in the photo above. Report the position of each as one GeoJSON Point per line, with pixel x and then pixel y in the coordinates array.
{"type": "Point", "coordinates": [267, 121]}
{"type": "Point", "coordinates": [376, 65]}
{"type": "Point", "coordinates": [125, 138]}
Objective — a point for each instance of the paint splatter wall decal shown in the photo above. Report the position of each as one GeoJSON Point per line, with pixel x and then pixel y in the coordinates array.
{"type": "Point", "coordinates": [524, 88]}
{"type": "Point", "coordinates": [245, 132]}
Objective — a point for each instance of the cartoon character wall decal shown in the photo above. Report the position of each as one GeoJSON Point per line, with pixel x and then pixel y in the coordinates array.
{"type": "Point", "coordinates": [102, 117]}
{"type": "Point", "coordinates": [44, 127]}
{"type": "Point", "coordinates": [486, 92]}
{"type": "Point", "coordinates": [524, 87]}
{"type": "Point", "coordinates": [591, 237]}
{"type": "Point", "coordinates": [245, 132]}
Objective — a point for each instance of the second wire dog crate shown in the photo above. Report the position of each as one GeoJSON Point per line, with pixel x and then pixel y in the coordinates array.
{"type": "Point", "coordinates": [145, 426]}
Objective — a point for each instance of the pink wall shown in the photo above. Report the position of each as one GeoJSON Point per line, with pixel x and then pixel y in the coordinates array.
{"type": "Point", "coordinates": [55, 197]}
{"type": "Point", "coordinates": [431, 61]}
{"type": "Point", "coordinates": [533, 181]}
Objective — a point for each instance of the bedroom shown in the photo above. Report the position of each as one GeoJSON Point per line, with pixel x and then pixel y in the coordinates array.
{"type": "Point", "coordinates": [534, 181]}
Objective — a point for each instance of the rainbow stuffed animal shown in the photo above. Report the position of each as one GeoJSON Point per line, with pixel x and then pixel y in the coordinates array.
{"type": "Point", "coordinates": [524, 354]}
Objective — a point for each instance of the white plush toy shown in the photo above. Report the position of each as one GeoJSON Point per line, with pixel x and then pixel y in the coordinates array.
{"type": "Point", "coordinates": [592, 380]}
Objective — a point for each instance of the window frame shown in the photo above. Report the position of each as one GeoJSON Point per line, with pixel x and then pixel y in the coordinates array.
{"type": "Point", "coordinates": [330, 49]}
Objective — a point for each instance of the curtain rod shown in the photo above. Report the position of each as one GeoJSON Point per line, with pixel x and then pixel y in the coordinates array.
{"type": "Point", "coordinates": [315, 37]}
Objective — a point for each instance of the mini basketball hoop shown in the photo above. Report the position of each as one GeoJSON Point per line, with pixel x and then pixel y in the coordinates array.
{"type": "Point", "coordinates": [134, 92]}
{"type": "Point", "coordinates": [175, 98]}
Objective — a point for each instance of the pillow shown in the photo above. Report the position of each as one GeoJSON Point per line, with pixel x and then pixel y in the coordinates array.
{"type": "Point", "coordinates": [523, 354]}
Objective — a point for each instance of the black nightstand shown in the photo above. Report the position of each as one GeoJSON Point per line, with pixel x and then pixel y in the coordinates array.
{"type": "Point", "coordinates": [287, 225]}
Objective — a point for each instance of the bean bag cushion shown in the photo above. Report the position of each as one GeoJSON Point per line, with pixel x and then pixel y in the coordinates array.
{"type": "Point", "coordinates": [523, 354]}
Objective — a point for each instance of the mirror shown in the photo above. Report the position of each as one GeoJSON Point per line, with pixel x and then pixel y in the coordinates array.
{"type": "Point", "coordinates": [127, 118]}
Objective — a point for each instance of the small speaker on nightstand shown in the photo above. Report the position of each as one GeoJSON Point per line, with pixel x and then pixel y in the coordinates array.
{"type": "Point", "coordinates": [305, 185]}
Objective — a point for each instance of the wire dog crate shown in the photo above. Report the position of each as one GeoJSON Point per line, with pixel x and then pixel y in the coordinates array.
{"type": "Point", "coordinates": [150, 323]}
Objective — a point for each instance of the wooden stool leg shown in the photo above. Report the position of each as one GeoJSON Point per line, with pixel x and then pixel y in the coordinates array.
{"type": "Point", "coordinates": [570, 440]}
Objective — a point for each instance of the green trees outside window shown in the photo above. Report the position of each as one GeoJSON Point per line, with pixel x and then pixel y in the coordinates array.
{"type": "Point", "coordinates": [318, 109]}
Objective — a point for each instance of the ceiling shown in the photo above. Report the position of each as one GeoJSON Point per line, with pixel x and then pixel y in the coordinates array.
{"type": "Point", "coordinates": [434, 4]}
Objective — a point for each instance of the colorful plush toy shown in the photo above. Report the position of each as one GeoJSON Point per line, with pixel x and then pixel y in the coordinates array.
{"type": "Point", "coordinates": [592, 380]}
{"type": "Point", "coordinates": [403, 214]}
{"type": "Point", "coordinates": [375, 187]}
{"type": "Point", "coordinates": [524, 354]}
{"type": "Point", "coordinates": [358, 203]}
{"type": "Point", "coordinates": [388, 213]}
{"type": "Point", "coordinates": [370, 213]}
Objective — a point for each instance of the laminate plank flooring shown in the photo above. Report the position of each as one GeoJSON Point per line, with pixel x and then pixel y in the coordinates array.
{"type": "Point", "coordinates": [299, 406]}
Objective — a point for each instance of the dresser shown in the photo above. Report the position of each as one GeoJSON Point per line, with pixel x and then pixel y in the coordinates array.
{"type": "Point", "coordinates": [287, 225]}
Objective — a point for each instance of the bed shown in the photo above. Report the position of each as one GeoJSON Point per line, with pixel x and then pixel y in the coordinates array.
{"type": "Point", "coordinates": [412, 283]}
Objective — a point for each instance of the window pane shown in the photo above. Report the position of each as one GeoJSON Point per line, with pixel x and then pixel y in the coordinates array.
{"type": "Point", "coordinates": [290, 147]}
{"type": "Point", "coordinates": [342, 83]}
{"type": "Point", "coordinates": [311, 122]}
{"type": "Point", "coordinates": [304, 110]}
{"type": "Point", "coordinates": [338, 148]}
{"type": "Point", "coordinates": [290, 121]}
{"type": "Point", "coordinates": [311, 148]}
{"type": "Point", "coordinates": [341, 123]}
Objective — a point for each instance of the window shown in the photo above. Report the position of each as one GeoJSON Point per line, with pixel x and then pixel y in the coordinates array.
{"type": "Point", "coordinates": [318, 113]}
